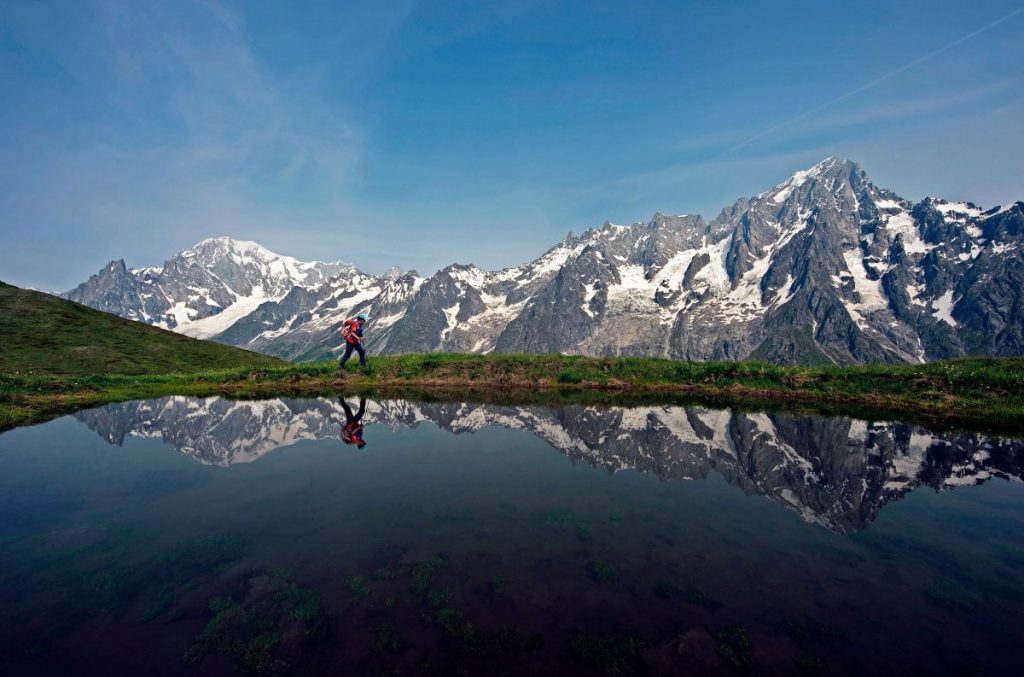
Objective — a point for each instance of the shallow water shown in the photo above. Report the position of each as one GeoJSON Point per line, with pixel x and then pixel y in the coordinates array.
{"type": "Point", "coordinates": [222, 537]}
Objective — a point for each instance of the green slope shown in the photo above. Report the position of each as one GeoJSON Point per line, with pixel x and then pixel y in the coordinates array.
{"type": "Point", "coordinates": [48, 335]}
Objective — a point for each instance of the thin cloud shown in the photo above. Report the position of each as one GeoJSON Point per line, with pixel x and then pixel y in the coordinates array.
{"type": "Point", "coordinates": [890, 110]}
{"type": "Point", "coordinates": [195, 139]}
{"type": "Point", "coordinates": [636, 188]}
{"type": "Point", "coordinates": [880, 79]}
{"type": "Point", "coordinates": [913, 107]}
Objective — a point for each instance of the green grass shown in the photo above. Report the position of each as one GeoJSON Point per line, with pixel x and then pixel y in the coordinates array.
{"type": "Point", "coordinates": [58, 356]}
{"type": "Point", "coordinates": [43, 334]}
{"type": "Point", "coordinates": [979, 392]}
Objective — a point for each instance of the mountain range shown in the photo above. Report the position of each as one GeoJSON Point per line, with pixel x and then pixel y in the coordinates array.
{"type": "Point", "coordinates": [825, 267]}
{"type": "Point", "coordinates": [837, 472]}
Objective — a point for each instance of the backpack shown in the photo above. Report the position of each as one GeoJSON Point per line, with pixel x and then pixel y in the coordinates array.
{"type": "Point", "coordinates": [348, 330]}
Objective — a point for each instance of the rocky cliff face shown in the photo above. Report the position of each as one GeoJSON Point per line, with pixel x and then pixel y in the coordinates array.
{"type": "Point", "coordinates": [825, 267]}
{"type": "Point", "coordinates": [836, 472]}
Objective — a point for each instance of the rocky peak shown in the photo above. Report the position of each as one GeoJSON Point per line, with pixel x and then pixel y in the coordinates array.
{"type": "Point", "coordinates": [112, 290]}
{"type": "Point", "coordinates": [678, 222]}
{"type": "Point", "coordinates": [117, 267]}
{"type": "Point", "coordinates": [823, 267]}
{"type": "Point", "coordinates": [1006, 222]}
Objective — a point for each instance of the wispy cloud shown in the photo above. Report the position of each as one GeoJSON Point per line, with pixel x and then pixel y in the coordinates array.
{"type": "Point", "coordinates": [417, 133]}
{"type": "Point", "coordinates": [710, 154]}
{"type": "Point", "coordinates": [811, 112]}
{"type": "Point", "coordinates": [179, 132]}
{"type": "Point", "coordinates": [906, 107]}
{"type": "Point", "coordinates": [237, 122]}
{"type": "Point", "coordinates": [639, 188]}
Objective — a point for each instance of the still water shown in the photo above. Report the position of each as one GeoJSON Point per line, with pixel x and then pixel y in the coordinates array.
{"type": "Point", "coordinates": [314, 536]}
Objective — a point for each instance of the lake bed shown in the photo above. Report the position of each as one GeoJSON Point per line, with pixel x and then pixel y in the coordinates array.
{"type": "Point", "coordinates": [264, 537]}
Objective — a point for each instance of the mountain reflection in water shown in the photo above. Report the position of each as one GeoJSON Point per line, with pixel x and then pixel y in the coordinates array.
{"type": "Point", "coordinates": [836, 472]}
{"type": "Point", "coordinates": [431, 552]}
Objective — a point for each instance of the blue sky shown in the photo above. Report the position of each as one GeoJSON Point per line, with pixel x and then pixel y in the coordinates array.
{"type": "Point", "coordinates": [420, 134]}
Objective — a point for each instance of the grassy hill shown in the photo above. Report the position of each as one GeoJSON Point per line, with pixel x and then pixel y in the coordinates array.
{"type": "Point", "coordinates": [43, 334]}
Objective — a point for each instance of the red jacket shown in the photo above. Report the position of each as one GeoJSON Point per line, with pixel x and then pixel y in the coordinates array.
{"type": "Point", "coordinates": [357, 331]}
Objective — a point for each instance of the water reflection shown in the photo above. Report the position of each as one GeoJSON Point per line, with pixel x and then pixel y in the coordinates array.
{"type": "Point", "coordinates": [444, 553]}
{"type": "Point", "coordinates": [836, 472]}
{"type": "Point", "coordinates": [352, 432]}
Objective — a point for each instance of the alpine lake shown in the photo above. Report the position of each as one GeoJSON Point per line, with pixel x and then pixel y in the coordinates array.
{"type": "Point", "coordinates": [395, 537]}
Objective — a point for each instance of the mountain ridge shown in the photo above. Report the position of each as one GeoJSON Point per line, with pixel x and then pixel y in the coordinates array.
{"type": "Point", "coordinates": [825, 267]}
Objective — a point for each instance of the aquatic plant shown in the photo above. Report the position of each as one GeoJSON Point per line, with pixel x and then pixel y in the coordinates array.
{"type": "Point", "coordinates": [501, 649]}
{"type": "Point", "coordinates": [385, 639]}
{"type": "Point", "coordinates": [273, 611]}
{"type": "Point", "coordinates": [110, 589]}
{"type": "Point", "coordinates": [804, 628]}
{"type": "Point", "coordinates": [439, 598]}
{"type": "Point", "coordinates": [809, 665]}
{"type": "Point", "coordinates": [203, 555]}
{"type": "Point", "coordinates": [455, 625]}
{"type": "Point", "coordinates": [602, 572]}
{"type": "Point", "coordinates": [305, 605]}
{"type": "Point", "coordinates": [357, 587]}
{"type": "Point", "coordinates": [697, 597]}
{"type": "Point", "coordinates": [245, 632]}
{"type": "Point", "coordinates": [611, 656]}
{"type": "Point", "coordinates": [162, 603]}
{"type": "Point", "coordinates": [389, 573]}
{"type": "Point", "coordinates": [559, 517]}
{"type": "Point", "coordinates": [735, 648]}
{"type": "Point", "coordinates": [422, 574]}
{"type": "Point", "coordinates": [953, 595]}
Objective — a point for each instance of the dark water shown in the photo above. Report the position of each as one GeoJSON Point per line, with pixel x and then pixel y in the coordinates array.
{"type": "Point", "coordinates": [218, 537]}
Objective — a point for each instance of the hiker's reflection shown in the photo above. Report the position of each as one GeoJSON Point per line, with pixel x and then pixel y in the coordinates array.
{"type": "Point", "coordinates": [352, 433]}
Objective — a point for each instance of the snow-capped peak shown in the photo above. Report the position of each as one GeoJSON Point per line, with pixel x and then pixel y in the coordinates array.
{"type": "Point", "coordinates": [283, 271]}
{"type": "Point", "coordinates": [217, 247]}
{"type": "Point", "coordinates": [781, 192]}
{"type": "Point", "coordinates": [672, 286]}
{"type": "Point", "coordinates": [946, 207]}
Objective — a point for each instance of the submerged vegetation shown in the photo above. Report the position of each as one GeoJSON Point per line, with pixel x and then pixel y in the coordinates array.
{"type": "Point", "coordinates": [418, 597]}
{"type": "Point", "coordinates": [262, 631]}
{"type": "Point", "coordinates": [981, 392]}
{"type": "Point", "coordinates": [611, 656]}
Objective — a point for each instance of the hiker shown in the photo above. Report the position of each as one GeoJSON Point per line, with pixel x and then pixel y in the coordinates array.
{"type": "Point", "coordinates": [352, 433]}
{"type": "Point", "coordinates": [352, 332]}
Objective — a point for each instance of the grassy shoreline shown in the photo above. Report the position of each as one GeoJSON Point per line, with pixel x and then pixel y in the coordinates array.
{"type": "Point", "coordinates": [980, 393]}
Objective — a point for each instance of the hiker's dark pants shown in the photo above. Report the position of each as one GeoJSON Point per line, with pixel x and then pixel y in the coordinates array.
{"type": "Point", "coordinates": [349, 347]}
{"type": "Point", "coordinates": [349, 416]}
